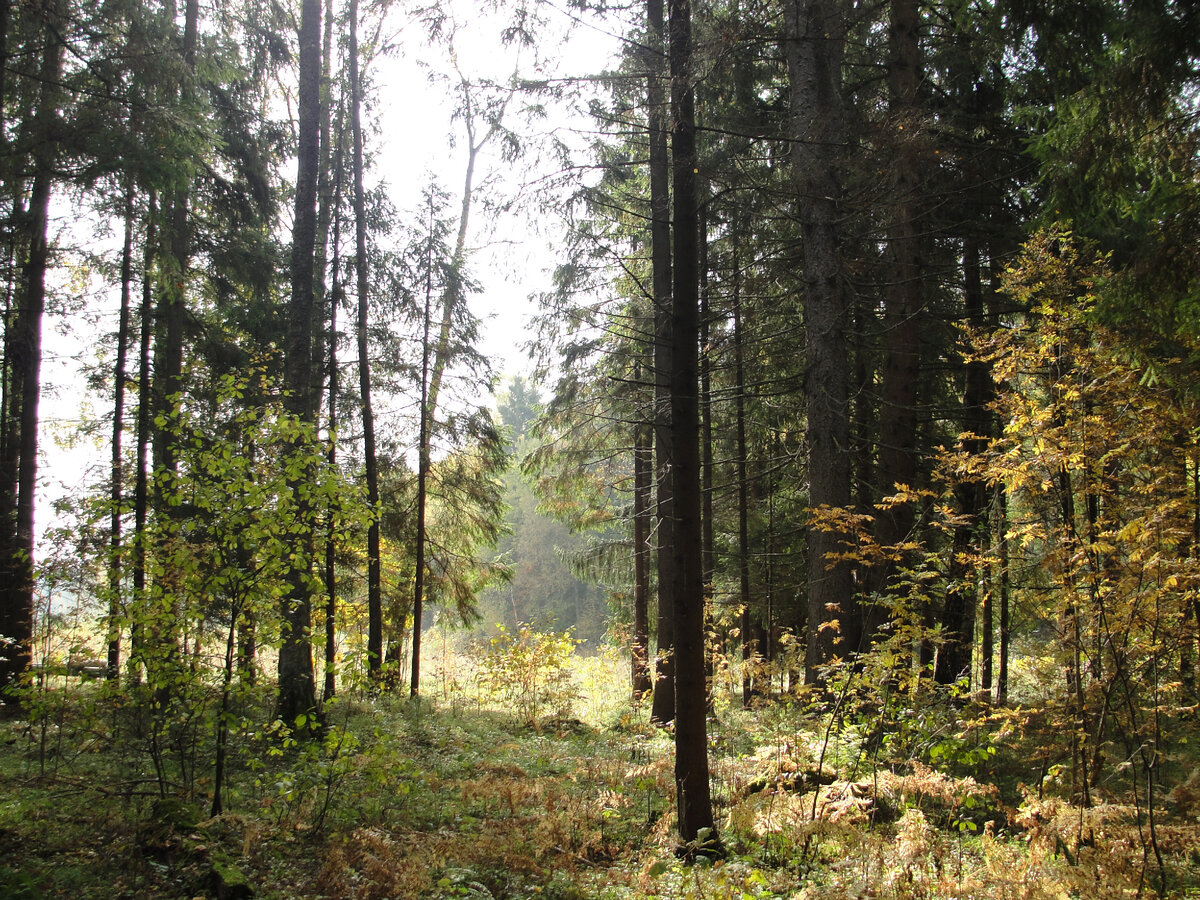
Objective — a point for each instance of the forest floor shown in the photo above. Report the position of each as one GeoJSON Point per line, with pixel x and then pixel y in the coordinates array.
{"type": "Point", "coordinates": [460, 799]}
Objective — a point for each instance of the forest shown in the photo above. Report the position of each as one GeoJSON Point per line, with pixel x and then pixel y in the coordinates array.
{"type": "Point", "coordinates": [839, 536]}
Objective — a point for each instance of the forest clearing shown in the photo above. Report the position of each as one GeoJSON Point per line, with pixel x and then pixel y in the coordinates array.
{"type": "Point", "coordinates": [546, 783]}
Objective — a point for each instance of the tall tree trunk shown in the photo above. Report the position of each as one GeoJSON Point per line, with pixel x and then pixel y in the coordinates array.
{"type": "Point", "coordinates": [10, 386]}
{"type": "Point", "coordinates": [987, 624]}
{"type": "Point", "coordinates": [163, 656]}
{"type": "Point", "coordinates": [691, 695]}
{"type": "Point", "coordinates": [743, 485]}
{"type": "Point", "coordinates": [370, 463]}
{"type": "Point", "coordinates": [708, 550]}
{"type": "Point", "coordinates": [325, 336]}
{"type": "Point", "coordinates": [419, 561]}
{"type": "Point", "coordinates": [424, 429]}
{"type": "Point", "coordinates": [24, 359]}
{"type": "Point", "coordinates": [145, 410]}
{"type": "Point", "coordinates": [297, 686]}
{"type": "Point", "coordinates": [814, 35]}
{"type": "Point", "coordinates": [958, 619]}
{"type": "Point", "coordinates": [329, 217]}
{"type": "Point", "coordinates": [5, 12]}
{"type": "Point", "coordinates": [1189, 658]}
{"type": "Point", "coordinates": [331, 456]}
{"type": "Point", "coordinates": [1005, 613]}
{"type": "Point", "coordinates": [663, 704]}
{"type": "Point", "coordinates": [116, 498]}
{"type": "Point", "coordinates": [436, 358]}
{"type": "Point", "coordinates": [903, 306]}
{"type": "Point", "coordinates": [325, 202]}
{"type": "Point", "coordinates": [643, 472]}
{"type": "Point", "coordinates": [1072, 625]}
{"type": "Point", "coordinates": [168, 367]}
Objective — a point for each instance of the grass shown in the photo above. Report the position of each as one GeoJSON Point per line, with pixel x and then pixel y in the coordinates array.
{"type": "Point", "coordinates": [459, 797]}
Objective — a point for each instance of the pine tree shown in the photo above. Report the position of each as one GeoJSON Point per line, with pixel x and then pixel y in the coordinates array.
{"type": "Point", "coordinates": [297, 701]}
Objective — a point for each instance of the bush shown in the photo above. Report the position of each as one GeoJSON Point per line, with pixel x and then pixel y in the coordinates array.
{"type": "Point", "coordinates": [529, 671]}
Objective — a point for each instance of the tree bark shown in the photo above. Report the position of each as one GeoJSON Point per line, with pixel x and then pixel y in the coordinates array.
{"type": "Point", "coordinates": [325, 200]}
{"type": "Point", "coordinates": [141, 475]}
{"type": "Point", "coordinates": [814, 34]}
{"type": "Point", "coordinates": [424, 429]}
{"type": "Point", "coordinates": [708, 548]}
{"type": "Point", "coordinates": [1005, 635]}
{"type": "Point", "coordinates": [903, 309]}
{"type": "Point", "coordinates": [24, 359]}
{"type": "Point", "coordinates": [325, 328]}
{"type": "Point", "coordinates": [163, 655]}
{"type": "Point", "coordinates": [663, 704]}
{"type": "Point", "coordinates": [297, 686]}
{"type": "Point", "coordinates": [958, 620]}
{"type": "Point", "coordinates": [743, 489]}
{"type": "Point", "coordinates": [117, 471]}
{"type": "Point", "coordinates": [329, 186]}
{"type": "Point", "coordinates": [331, 456]}
{"type": "Point", "coordinates": [168, 368]}
{"type": "Point", "coordinates": [370, 463]}
{"type": "Point", "coordinates": [436, 359]}
{"type": "Point", "coordinates": [642, 474]}
{"type": "Point", "coordinates": [691, 695]}
{"type": "Point", "coordinates": [5, 12]}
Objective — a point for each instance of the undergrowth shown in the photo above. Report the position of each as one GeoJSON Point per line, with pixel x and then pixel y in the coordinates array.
{"type": "Point", "coordinates": [566, 793]}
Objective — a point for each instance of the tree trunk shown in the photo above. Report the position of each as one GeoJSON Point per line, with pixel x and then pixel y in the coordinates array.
{"type": "Point", "coordinates": [331, 456]}
{"type": "Point", "coordinates": [222, 741]}
{"type": "Point", "coordinates": [743, 488]}
{"type": "Point", "coordinates": [1190, 654]}
{"type": "Point", "coordinates": [436, 358]}
{"type": "Point", "coordinates": [1005, 613]}
{"type": "Point", "coordinates": [423, 460]}
{"type": "Point", "coordinates": [663, 705]}
{"type": "Point", "coordinates": [642, 474]}
{"type": "Point", "coordinates": [168, 367]}
{"type": "Point", "coordinates": [424, 427]}
{"type": "Point", "coordinates": [325, 200]}
{"type": "Point", "coordinates": [903, 309]}
{"type": "Point", "coordinates": [297, 686]}
{"type": "Point", "coordinates": [958, 619]}
{"type": "Point", "coordinates": [141, 475]}
{"type": "Point", "coordinates": [987, 626]}
{"type": "Point", "coordinates": [814, 34]}
{"type": "Point", "coordinates": [691, 696]}
{"type": "Point", "coordinates": [10, 404]}
{"type": "Point", "coordinates": [117, 472]}
{"type": "Point", "coordinates": [5, 12]}
{"type": "Point", "coordinates": [325, 348]}
{"type": "Point", "coordinates": [163, 656]}
{"type": "Point", "coordinates": [708, 551]}
{"type": "Point", "coordinates": [370, 464]}
{"type": "Point", "coordinates": [24, 359]}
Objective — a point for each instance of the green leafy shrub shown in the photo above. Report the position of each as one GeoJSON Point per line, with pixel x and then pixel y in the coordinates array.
{"type": "Point", "coordinates": [529, 671]}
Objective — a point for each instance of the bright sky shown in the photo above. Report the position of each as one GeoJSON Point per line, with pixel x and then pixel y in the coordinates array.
{"type": "Point", "coordinates": [513, 260]}
{"type": "Point", "coordinates": [513, 256]}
